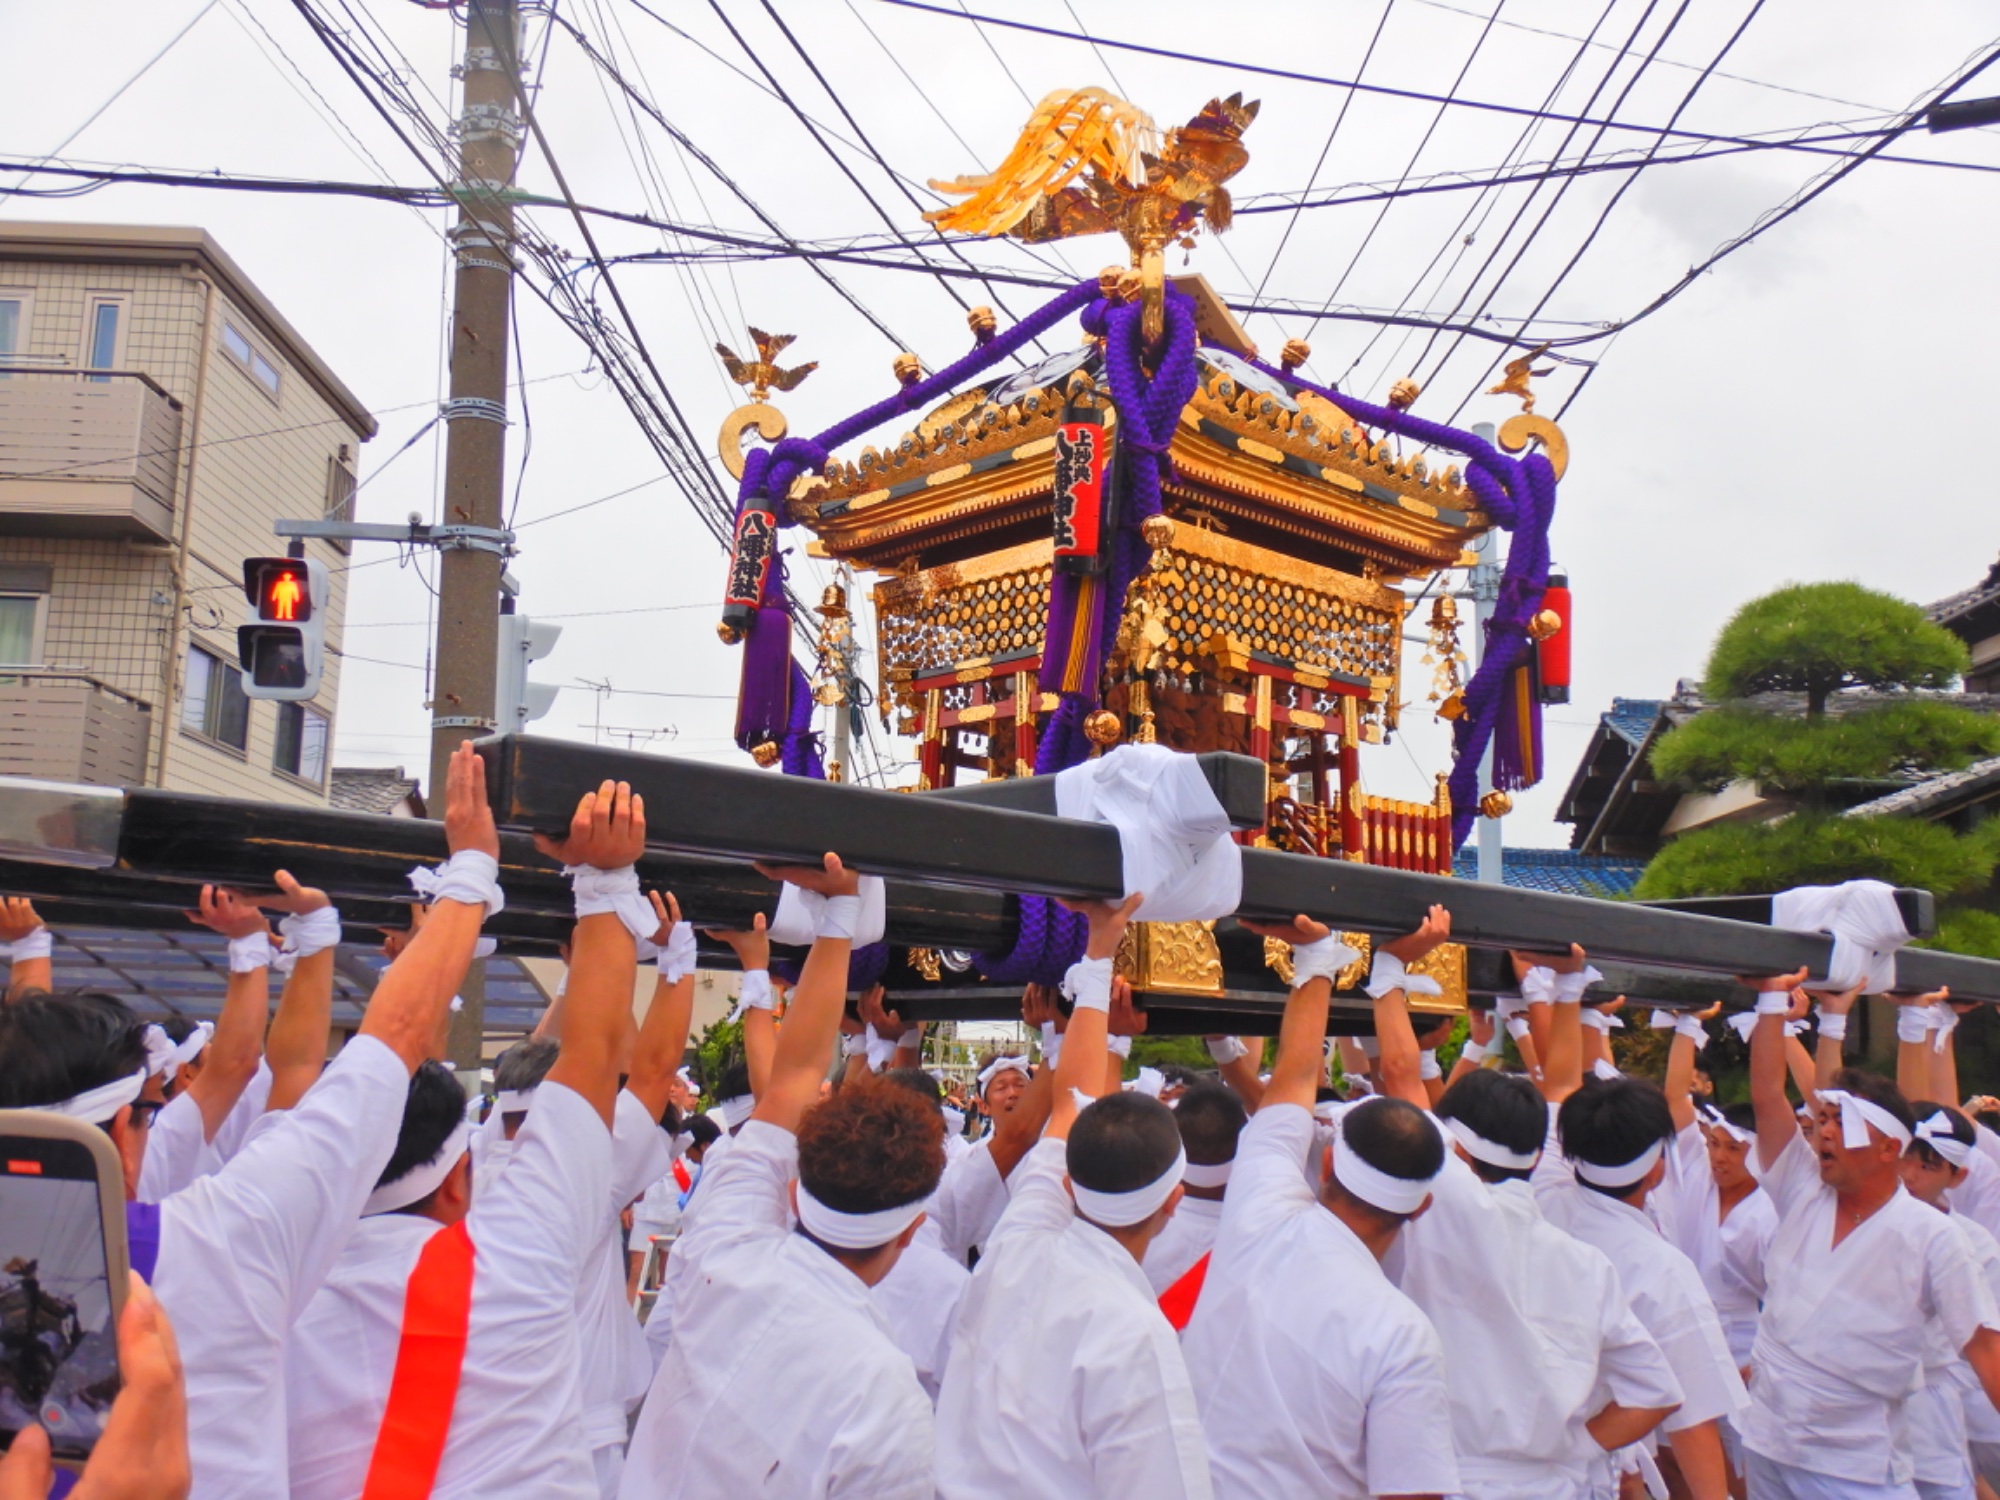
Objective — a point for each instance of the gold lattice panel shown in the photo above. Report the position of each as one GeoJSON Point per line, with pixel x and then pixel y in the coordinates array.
{"type": "Point", "coordinates": [938, 620]}
{"type": "Point", "coordinates": [1203, 597]}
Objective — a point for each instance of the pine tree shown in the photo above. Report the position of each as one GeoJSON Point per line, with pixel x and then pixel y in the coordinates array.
{"type": "Point", "coordinates": [1861, 659]}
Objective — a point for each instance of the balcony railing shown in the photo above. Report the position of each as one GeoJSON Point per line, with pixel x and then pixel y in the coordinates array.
{"type": "Point", "coordinates": [89, 455]}
{"type": "Point", "coordinates": [69, 726]}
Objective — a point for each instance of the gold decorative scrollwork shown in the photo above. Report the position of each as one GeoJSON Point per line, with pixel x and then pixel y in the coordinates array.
{"type": "Point", "coordinates": [1174, 957]}
{"type": "Point", "coordinates": [927, 963]}
{"type": "Point", "coordinates": [1517, 432]}
{"type": "Point", "coordinates": [768, 422]}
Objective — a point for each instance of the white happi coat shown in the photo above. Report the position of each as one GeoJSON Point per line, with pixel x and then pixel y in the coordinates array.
{"type": "Point", "coordinates": [1314, 1375]}
{"type": "Point", "coordinates": [781, 1379]}
{"type": "Point", "coordinates": [244, 1250]}
{"type": "Point", "coordinates": [1840, 1348]}
{"type": "Point", "coordinates": [517, 1430]}
{"type": "Point", "coordinates": [1065, 1379]}
{"type": "Point", "coordinates": [1189, 1235]}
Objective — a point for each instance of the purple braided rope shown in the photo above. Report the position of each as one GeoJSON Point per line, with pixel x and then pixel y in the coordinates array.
{"type": "Point", "coordinates": [1050, 938]}
{"type": "Point", "coordinates": [1520, 494]}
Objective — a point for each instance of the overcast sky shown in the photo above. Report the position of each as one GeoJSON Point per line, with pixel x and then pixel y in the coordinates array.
{"type": "Point", "coordinates": [1811, 409]}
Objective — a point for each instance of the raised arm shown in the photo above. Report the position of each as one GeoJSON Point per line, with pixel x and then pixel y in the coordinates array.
{"type": "Point", "coordinates": [1087, 1042]}
{"type": "Point", "coordinates": [1479, 1033]}
{"type": "Point", "coordinates": [246, 1005]}
{"type": "Point", "coordinates": [1776, 1124]}
{"type": "Point", "coordinates": [295, 1046]}
{"type": "Point", "coordinates": [1915, 1030]}
{"type": "Point", "coordinates": [804, 1044]}
{"type": "Point", "coordinates": [607, 834]}
{"type": "Point", "coordinates": [1301, 1061]}
{"type": "Point", "coordinates": [1833, 1012]}
{"type": "Point", "coordinates": [1562, 1050]}
{"type": "Point", "coordinates": [410, 1000]}
{"type": "Point", "coordinates": [1236, 1062]}
{"type": "Point", "coordinates": [760, 1023]}
{"type": "Point", "coordinates": [1399, 1068]}
{"type": "Point", "coordinates": [1679, 1083]}
{"type": "Point", "coordinates": [663, 1034]}
{"type": "Point", "coordinates": [28, 970]}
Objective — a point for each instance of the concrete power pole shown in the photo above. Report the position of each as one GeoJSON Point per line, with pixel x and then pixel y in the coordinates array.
{"type": "Point", "coordinates": [470, 560]}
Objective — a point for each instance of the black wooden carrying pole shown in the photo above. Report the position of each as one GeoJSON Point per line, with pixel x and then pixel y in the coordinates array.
{"type": "Point", "coordinates": [696, 807]}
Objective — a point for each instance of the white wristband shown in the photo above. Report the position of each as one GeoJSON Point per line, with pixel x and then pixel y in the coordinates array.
{"type": "Point", "coordinates": [913, 1037]}
{"type": "Point", "coordinates": [613, 893]}
{"type": "Point", "coordinates": [1773, 1002]}
{"type": "Point", "coordinates": [1427, 1064]}
{"type": "Point", "coordinates": [249, 953]}
{"type": "Point", "coordinates": [1518, 1028]}
{"type": "Point", "coordinates": [1474, 1053]}
{"type": "Point", "coordinates": [840, 917]}
{"type": "Point", "coordinates": [1387, 973]}
{"type": "Point", "coordinates": [1088, 984]}
{"type": "Point", "coordinates": [1224, 1050]}
{"type": "Point", "coordinates": [1538, 985]}
{"type": "Point", "coordinates": [754, 993]}
{"type": "Point", "coordinates": [1832, 1025]}
{"type": "Point", "coordinates": [1688, 1024]}
{"type": "Point", "coordinates": [677, 958]}
{"type": "Point", "coordinates": [1051, 1044]}
{"type": "Point", "coordinates": [1321, 959]}
{"type": "Point", "coordinates": [1570, 987]}
{"type": "Point", "coordinates": [854, 1044]}
{"type": "Point", "coordinates": [470, 876]}
{"type": "Point", "coordinates": [1119, 1046]}
{"type": "Point", "coordinates": [1914, 1023]}
{"type": "Point", "coordinates": [36, 944]}
{"type": "Point", "coordinates": [1598, 1020]}
{"type": "Point", "coordinates": [306, 933]}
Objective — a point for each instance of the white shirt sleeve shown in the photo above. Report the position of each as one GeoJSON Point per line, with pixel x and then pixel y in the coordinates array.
{"type": "Point", "coordinates": [745, 1190]}
{"type": "Point", "coordinates": [640, 1151]}
{"type": "Point", "coordinates": [1794, 1176]}
{"type": "Point", "coordinates": [1409, 1407]}
{"type": "Point", "coordinates": [1268, 1182]}
{"type": "Point", "coordinates": [174, 1149]}
{"type": "Point", "coordinates": [1631, 1369]}
{"type": "Point", "coordinates": [539, 1222]}
{"type": "Point", "coordinates": [970, 1198]}
{"type": "Point", "coordinates": [1955, 1293]}
{"type": "Point", "coordinates": [1037, 1200]}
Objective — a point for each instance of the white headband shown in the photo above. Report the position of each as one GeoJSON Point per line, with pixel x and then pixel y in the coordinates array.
{"type": "Point", "coordinates": [1373, 1186]}
{"type": "Point", "coordinates": [163, 1055]}
{"type": "Point", "coordinates": [1717, 1120]}
{"type": "Point", "coordinates": [1935, 1131]}
{"type": "Point", "coordinates": [1623, 1175]}
{"type": "Point", "coordinates": [1122, 1210]}
{"type": "Point", "coordinates": [1856, 1115]}
{"type": "Point", "coordinates": [846, 1231]}
{"type": "Point", "coordinates": [1012, 1063]}
{"type": "Point", "coordinates": [735, 1111]}
{"type": "Point", "coordinates": [1479, 1148]}
{"type": "Point", "coordinates": [1207, 1174]}
{"type": "Point", "coordinates": [423, 1179]}
{"type": "Point", "coordinates": [97, 1106]}
{"type": "Point", "coordinates": [513, 1101]}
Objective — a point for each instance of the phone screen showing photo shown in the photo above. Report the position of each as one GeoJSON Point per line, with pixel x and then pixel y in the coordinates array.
{"type": "Point", "coordinates": [58, 1349]}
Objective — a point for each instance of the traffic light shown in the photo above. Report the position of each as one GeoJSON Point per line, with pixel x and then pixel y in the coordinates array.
{"type": "Point", "coordinates": [517, 701]}
{"type": "Point", "coordinates": [283, 651]}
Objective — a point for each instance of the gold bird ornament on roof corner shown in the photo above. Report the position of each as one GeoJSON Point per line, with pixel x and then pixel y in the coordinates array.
{"type": "Point", "coordinates": [1517, 373]}
{"type": "Point", "coordinates": [762, 374]}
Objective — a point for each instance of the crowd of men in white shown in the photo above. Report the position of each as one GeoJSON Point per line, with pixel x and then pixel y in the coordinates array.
{"type": "Point", "coordinates": [1556, 1283]}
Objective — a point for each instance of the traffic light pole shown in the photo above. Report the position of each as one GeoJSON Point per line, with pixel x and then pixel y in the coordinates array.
{"type": "Point", "coordinates": [462, 699]}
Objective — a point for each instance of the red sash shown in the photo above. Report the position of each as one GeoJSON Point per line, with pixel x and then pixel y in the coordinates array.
{"type": "Point", "coordinates": [682, 1175]}
{"type": "Point", "coordinates": [436, 1311]}
{"type": "Point", "coordinates": [1178, 1300]}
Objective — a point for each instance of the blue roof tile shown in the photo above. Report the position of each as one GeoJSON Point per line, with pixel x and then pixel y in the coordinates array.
{"type": "Point", "coordinates": [1562, 872]}
{"type": "Point", "coordinates": [1633, 718]}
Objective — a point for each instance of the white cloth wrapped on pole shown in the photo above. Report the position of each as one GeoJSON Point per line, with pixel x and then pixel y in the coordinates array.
{"type": "Point", "coordinates": [1172, 829]}
{"type": "Point", "coordinates": [798, 920]}
{"type": "Point", "coordinates": [1864, 922]}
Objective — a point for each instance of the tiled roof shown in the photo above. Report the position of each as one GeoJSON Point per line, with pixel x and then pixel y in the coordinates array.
{"type": "Point", "coordinates": [1633, 718]}
{"type": "Point", "coordinates": [1926, 795]}
{"type": "Point", "coordinates": [1562, 872]}
{"type": "Point", "coordinates": [372, 789]}
{"type": "Point", "coordinates": [1949, 608]}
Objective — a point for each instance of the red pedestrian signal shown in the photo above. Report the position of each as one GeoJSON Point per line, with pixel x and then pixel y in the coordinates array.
{"type": "Point", "coordinates": [282, 651]}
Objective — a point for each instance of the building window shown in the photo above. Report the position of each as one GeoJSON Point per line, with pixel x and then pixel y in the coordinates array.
{"type": "Point", "coordinates": [103, 330]}
{"type": "Point", "coordinates": [13, 324]}
{"type": "Point", "coordinates": [301, 743]}
{"type": "Point", "coordinates": [213, 705]}
{"type": "Point", "coordinates": [21, 630]}
{"type": "Point", "coordinates": [340, 487]}
{"type": "Point", "coordinates": [236, 344]}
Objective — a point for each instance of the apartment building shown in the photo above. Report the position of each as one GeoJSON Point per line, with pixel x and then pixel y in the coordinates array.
{"type": "Point", "coordinates": [157, 414]}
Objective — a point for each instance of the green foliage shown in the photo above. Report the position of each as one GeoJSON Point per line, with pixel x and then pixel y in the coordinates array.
{"type": "Point", "coordinates": [1811, 848]}
{"type": "Point", "coordinates": [719, 1045]}
{"type": "Point", "coordinates": [1154, 1051]}
{"type": "Point", "coordinates": [1967, 931]}
{"type": "Point", "coordinates": [1800, 756]}
{"type": "Point", "coordinates": [1816, 638]}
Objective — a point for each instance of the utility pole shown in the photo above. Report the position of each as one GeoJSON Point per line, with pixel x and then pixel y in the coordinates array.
{"type": "Point", "coordinates": [469, 569]}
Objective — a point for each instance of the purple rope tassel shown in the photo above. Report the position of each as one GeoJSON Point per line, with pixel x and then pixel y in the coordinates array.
{"type": "Point", "coordinates": [1520, 494]}
{"type": "Point", "coordinates": [1149, 407]}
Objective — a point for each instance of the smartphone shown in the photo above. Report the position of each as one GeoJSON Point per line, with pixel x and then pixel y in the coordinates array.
{"type": "Point", "coordinates": [63, 1278]}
